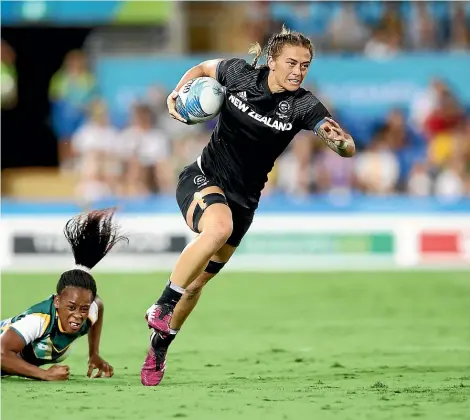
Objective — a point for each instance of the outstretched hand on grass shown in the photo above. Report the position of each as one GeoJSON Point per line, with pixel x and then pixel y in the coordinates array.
{"type": "Point", "coordinates": [104, 368]}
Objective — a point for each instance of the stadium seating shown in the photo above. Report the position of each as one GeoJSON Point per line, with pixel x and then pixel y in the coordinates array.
{"type": "Point", "coordinates": [31, 183]}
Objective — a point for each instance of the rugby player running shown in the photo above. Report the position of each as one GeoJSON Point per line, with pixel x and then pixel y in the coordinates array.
{"type": "Point", "coordinates": [264, 109]}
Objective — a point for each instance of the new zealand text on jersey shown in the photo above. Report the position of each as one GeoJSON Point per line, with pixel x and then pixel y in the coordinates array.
{"type": "Point", "coordinates": [265, 120]}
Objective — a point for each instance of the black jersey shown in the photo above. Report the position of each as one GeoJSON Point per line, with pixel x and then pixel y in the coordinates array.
{"type": "Point", "coordinates": [253, 129]}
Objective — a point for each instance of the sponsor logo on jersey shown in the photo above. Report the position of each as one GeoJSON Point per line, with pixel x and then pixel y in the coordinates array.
{"type": "Point", "coordinates": [42, 346]}
{"type": "Point", "coordinates": [200, 180]}
{"type": "Point", "coordinates": [284, 106]}
{"type": "Point", "coordinates": [268, 121]}
{"type": "Point", "coordinates": [283, 109]}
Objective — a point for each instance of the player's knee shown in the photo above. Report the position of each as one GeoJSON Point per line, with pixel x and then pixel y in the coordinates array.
{"type": "Point", "coordinates": [219, 231]}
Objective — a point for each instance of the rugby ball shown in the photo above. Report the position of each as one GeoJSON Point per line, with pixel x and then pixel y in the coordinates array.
{"type": "Point", "coordinates": [200, 99]}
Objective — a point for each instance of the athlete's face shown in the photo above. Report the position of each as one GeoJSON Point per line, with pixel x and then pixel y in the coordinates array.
{"type": "Point", "coordinates": [290, 67]}
{"type": "Point", "coordinates": [73, 305]}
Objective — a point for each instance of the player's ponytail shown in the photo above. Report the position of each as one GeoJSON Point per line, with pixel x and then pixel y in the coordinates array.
{"type": "Point", "coordinates": [258, 51]}
{"type": "Point", "coordinates": [91, 237]}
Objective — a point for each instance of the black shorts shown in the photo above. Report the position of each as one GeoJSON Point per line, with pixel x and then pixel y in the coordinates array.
{"type": "Point", "coordinates": [192, 180]}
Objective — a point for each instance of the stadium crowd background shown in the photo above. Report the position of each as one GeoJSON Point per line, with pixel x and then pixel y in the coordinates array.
{"type": "Point", "coordinates": [421, 149]}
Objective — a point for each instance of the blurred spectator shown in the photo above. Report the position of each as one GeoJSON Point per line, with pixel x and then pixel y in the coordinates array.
{"type": "Point", "coordinates": [392, 20]}
{"type": "Point", "coordinates": [419, 181]}
{"type": "Point", "coordinates": [450, 182]}
{"type": "Point", "coordinates": [71, 89]}
{"type": "Point", "coordinates": [346, 31]}
{"type": "Point", "coordinates": [94, 146]}
{"type": "Point", "coordinates": [445, 116]}
{"type": "Point", "coordinates": [377, 168]}
{"type": "Point", "coordinates": [441, 149]}
{"type": "Point", "coordinates": [448, 167]}
{"type": "Point", "coordinates": [462, 140]}
{"type": "Point", "coordinates": [258, 20]}
{"type": "Point", "coordinates": [294, 172]}
{"type": "Point", "coordinates": [8, 77]}
{"type": "Point", "coordinates": [146, 151]}
{"type": "Point", "coordinates": [310, 18]}
{"type": "Point", "coordinates": [186, 150]}
{"type": "Point", "coordinates": [426, 103]}
{"type": "Point", "coordinates": [422, 29]}
{"type": "Point", "coordinates": [396, 128]}
{"type": "Point", "coordinates": [446, 146]}
{"type": "Point", "coordinates": [382, 45]}
{"type": "Point", "coordinates": [406, 143]}
{"type": "Point", "coordinates": [156, 100]}
{"type": "Point", "coordinates": [459, 28]}
{"type": "Point", "coordinates": [333, 173]}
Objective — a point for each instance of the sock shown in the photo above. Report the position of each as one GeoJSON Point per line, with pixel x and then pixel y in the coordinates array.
{"type": "Point", "coordinates": [159, 340]}
{"type": "Point", "coordinates": [175, 287]}
{"type": "Point", "coordinates": [170, 337]}
{"type": "Point", "coordinates": [171, 294]}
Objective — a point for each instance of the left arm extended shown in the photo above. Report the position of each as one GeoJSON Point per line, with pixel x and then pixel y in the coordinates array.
{"type": "Point", "coordinates": [94, 336]}
{"type": "Point", "coordinates": [336, 138]}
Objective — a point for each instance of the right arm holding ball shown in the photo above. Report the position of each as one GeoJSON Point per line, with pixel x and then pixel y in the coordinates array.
{"type": "Point", "coordinates": [205, 69]}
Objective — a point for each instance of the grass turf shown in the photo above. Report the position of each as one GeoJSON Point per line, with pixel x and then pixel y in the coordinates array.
{"type": "Point", "coordinates": [279, 346]}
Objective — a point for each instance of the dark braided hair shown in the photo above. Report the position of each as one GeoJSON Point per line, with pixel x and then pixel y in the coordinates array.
{"type": "Point", "coordinates": [277, 41]}
{"type": "Point", "coordinates": [91, 236]}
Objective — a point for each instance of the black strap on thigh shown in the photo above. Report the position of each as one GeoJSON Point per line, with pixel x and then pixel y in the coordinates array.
{"type": "Point", "coordinates": [214, 267]}
{"type": "Point", "coordinates": [207, 201]}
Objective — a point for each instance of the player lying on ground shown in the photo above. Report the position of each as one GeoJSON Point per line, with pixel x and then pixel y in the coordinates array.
{"type": "Point", "coordinates": [264, 109]}
{"type": "Point", "coordinates": [44, 333]}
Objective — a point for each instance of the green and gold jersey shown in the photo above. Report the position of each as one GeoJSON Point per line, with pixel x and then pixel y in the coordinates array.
{"type": "Point", "coordinates": [41, 330]}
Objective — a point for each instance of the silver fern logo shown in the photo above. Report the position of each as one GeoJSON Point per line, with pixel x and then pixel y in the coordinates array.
{"type": "Point", "coordinates": [193, 102]}
{"type": "Point", "coordinates": [217, 90]}
{"type": "Point", "coordinates": [181, 108]}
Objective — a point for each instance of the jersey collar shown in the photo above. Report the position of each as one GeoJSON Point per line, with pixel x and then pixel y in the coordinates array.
{"type": "Point", "coordinates": [280, 96]}
{"type": "Point", "coordinates": [61, 329]}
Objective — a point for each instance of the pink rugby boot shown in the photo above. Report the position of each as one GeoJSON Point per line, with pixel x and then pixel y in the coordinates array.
{"type": "Point", "coordinates": [158, 317]}
{"type": "Point", "coordinates": [155, 363]}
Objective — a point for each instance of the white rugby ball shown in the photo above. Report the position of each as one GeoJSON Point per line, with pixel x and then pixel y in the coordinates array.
{"type": "Point", "coordinates": [200, 99]}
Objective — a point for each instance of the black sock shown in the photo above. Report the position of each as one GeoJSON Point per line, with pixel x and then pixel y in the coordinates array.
{"type": "Point", "coordinates": [162, 340]}
{"type": "Point", "coordinates": [170, 296]}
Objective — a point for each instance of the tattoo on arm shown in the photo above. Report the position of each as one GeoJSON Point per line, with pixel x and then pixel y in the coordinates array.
{"type": "Point", "coordinates": [336, 139]}
{"type": "Point", "coordinates": [328, 138]}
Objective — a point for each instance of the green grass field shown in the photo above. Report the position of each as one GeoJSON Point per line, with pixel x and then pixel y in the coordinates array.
{"type": "Point", "coordinates": [273, 346]}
